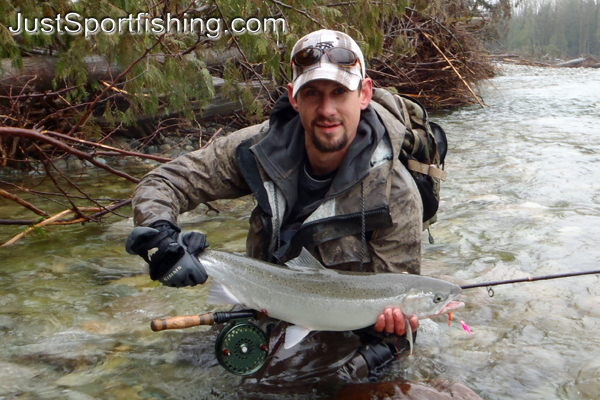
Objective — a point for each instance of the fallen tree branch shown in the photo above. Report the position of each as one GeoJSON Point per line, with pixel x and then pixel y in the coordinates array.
{"type": "Point", "coordinates": [104, 146]}
{"type": "Point", "coordinates": [41, 193]}
{"type": "Point", "coordinates": [17, 221]}
{"type": "Point", "coordinates": [105, 210]}
{"type": "Point", "coordinates": [31, 134]}
{"type": "Point", "coordinates": [50, 221]}
{"type": "Point", "coordinates": [24, 203]}
{"type": "Point", "coordinates": [93, 217]}
{"type": "Point", "coordinates": [453, 68]}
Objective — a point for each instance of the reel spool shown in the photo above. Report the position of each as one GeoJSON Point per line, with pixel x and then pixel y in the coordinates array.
{"type": "Point", "coordinates": [242, 347]}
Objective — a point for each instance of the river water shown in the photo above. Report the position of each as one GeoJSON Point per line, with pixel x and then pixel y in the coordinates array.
{"type": "Point", "coordinates": [522, 199]}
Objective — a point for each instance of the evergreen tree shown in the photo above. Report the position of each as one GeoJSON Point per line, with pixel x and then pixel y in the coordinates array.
{"type": "Point", "coordinates": [560, 28]}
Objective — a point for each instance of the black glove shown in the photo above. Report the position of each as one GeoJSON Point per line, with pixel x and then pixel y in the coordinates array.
{"type": "Point", "coordinates": [175, 263]}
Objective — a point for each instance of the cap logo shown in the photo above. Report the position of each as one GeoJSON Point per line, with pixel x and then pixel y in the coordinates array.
{"type": "Point", "coordinates": [324, 45]}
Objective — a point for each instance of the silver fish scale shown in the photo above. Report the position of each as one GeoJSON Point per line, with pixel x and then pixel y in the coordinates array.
{"type": "Point", "coordinates": [323, 299]}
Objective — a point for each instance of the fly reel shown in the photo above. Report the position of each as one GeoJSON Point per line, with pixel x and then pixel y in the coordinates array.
{"type": "Point", "coordinates": [241, 347]}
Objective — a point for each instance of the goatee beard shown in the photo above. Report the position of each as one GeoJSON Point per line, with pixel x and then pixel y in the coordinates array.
{"type": "Point", "coordinates": [326, 146]}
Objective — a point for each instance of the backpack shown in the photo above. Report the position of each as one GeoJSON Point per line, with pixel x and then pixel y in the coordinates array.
{"type": "Point", "coordinates": [423, 153]}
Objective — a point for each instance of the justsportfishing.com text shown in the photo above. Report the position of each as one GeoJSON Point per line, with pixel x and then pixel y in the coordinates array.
{"type": "Point", "coordinates": [75, 24]}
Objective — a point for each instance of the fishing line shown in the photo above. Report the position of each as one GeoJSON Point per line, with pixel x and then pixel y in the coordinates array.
{"type": "Point", "coordinates": [488, 285]}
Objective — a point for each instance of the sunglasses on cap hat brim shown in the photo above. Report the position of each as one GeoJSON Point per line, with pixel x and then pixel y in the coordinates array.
{"type": "Point", "coordinates": [337, 55]}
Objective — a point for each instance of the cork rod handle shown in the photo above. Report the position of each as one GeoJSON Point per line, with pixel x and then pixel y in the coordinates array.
{"type": "Point", "coordinates": [184, 321]}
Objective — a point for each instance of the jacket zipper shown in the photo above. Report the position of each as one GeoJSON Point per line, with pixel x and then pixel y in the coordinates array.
{"type": "Point", "coordinates": [369, 213]}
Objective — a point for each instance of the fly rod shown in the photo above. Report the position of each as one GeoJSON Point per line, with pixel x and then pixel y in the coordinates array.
{"type": "Point", "coordinates": [489, 285]}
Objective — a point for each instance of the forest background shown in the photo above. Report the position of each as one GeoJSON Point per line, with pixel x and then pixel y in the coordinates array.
{"type": "Point", "coordinates": [554, 28]}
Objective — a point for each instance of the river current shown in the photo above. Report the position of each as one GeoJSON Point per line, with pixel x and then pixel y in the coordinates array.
{"type": "Point", "coordinates": [522, 199]}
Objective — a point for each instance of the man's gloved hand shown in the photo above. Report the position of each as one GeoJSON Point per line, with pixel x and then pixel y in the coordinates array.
{"type": "Point", "coordinates": [175, 262]}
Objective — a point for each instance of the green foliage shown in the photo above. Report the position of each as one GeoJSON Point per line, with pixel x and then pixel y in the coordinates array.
{"type": "Point", "coordinates": [36, 230]}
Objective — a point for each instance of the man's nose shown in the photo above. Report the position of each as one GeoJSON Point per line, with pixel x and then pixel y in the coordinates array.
{"type": "Point", "coordinates": [327, 106]}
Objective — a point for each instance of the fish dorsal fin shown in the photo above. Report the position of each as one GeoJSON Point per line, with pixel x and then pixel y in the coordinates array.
{"type": "Point", "coordinates": [219, 294]}
{"type": "Point", "coordinates": [305, 262]}
{"type": "Point", "coordinates": [294, 335]}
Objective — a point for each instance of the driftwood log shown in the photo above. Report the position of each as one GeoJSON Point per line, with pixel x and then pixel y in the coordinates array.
{"type": "Point", "coordinates": [38, 71]}
{"type": "Point", "coordinates": [572, 63]}
{"type": "Point", "coordinates": [582, 62]}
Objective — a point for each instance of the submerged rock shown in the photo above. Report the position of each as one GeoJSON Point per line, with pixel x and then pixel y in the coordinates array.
{"type": "Point", "coordinates": [69, 348]}
{"type": "Point", "coordinates": [406, 390]}
{"type": "Point", "coordinates": [6, 322]}
{"type": "Point", "coordinates": [588, 381]}
{"type": "Point", "coordinates": [15, 378]}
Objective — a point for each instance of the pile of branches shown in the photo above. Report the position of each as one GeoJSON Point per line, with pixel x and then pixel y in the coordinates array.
{"type": "Point", "coordinates": [442, 62]}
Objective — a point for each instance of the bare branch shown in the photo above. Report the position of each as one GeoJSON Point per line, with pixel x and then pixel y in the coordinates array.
{"type": "Point", "coordinates": [113, 149]}
{"type": "Point", "coordinates": [50, 221]}
{"type": "Point", "coordinates": [24, 203]}
{"type": "Point", "coordinates": [31, 134]}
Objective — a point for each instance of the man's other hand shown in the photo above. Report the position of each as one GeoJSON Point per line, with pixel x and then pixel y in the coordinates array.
{"type": "Point", "coordinates": [175, 263]}
{"type": "Point", "coordinates": [394, 321]}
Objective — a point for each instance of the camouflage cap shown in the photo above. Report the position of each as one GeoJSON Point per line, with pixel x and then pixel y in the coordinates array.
{"type": "Point", "coordinates": [325, 69]}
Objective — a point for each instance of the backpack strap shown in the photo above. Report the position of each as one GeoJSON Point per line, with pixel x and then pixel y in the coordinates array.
{"type": "Point", "coordinates": [426, 169]}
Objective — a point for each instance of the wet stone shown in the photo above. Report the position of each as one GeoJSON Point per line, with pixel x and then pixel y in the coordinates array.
{"type": "Point", "coordinates": [36, 172]}
{"type": "Point", "coordinates": [6, 322]}
{"type": "Point", "coordinates": [174, 153]}
{"type": "Point", "coordinates": [15, 378]}
{"type": "Point", "coordinates": [588, 381]}
{"type": "Point", "coordinates": [151, 149]}
{"type": "Point", "coordinates": [74, 163]}
{"type": "Point", "coordinates": [198, 349]}
{"type": "Point", "coordinates": [74, 395]}
{"type": "Point", "coordinates": [135, 312]}
{"type": "Point", "coordinates": [61, 164]}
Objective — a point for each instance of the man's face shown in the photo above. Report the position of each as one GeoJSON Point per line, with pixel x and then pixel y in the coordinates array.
{"type": "Point", "coordinates": [330, 113]}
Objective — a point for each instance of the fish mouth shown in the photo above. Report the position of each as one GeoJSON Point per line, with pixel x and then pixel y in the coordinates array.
{"type": "Point", "coordinates": [450, 307]}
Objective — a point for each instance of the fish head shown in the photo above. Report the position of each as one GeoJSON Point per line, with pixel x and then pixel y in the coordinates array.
{"type": "Point", "coordinates": [430, 300]}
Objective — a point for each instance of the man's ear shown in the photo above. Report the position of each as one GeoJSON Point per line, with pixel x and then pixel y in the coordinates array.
{"type": "Point", "coordinates": [366, 93]}
{"type": "Point", "coordinates": [293, 101]}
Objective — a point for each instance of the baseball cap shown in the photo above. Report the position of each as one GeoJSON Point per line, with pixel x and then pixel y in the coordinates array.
{"type": "Point", "coordinates": [331, 64]}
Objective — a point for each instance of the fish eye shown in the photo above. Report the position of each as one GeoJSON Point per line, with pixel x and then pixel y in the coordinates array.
{"type": "Point", "coordinates": [438, 298]}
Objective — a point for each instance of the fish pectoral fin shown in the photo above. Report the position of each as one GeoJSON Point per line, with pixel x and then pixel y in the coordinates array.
{"type": "Point", "coordinates": [219, 294]}
{"type": "Point", "coordinates": [294, 335]}
{"type": "Point", "coordinates": [409, 335]}
{"type": "Point", "coordinates": [305, 262]}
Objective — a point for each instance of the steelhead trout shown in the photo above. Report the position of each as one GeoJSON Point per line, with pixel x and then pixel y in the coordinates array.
{"type": "Point", "coordinates": [312, 297]}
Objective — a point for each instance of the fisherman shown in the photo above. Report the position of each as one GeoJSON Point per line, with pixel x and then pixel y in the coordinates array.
{"type": "Point", "coordinates": [326, 176]}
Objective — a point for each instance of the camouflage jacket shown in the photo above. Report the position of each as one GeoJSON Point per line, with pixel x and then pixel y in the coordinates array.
{"type": "Point", "coordinates": [264, 160]}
